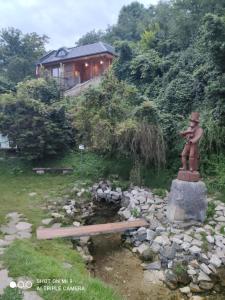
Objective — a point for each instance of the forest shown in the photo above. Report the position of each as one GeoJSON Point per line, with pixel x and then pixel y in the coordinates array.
{"type": "Point", "coordinates": [170, 62]}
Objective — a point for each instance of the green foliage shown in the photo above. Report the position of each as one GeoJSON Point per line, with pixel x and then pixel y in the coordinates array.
{"type": "Point", "coordinates": [179, 269]}
{"type": "Point", "coordinates": [90, 37]}
{"type": "Point", "coordinates": [205, 243]}
{"type": "Point", "coordinates": [160, 192]}
{"type": "Point", "coordinates": [5, 85]}
{"type": "Point", "coordinates": [128, 129]}
{"type": "Point", "coordinates": [213, 35]}
{"type": "Point", "coordinates": [135, 213]}
{"type": "Point", "coordinates": [210, 210]}
{"type": "Point", "coordinates": [148, 36]}
{"type": "Point", "coordinates": [19, 53]}
{"type": "Point", "coordinates": [145, 67]}
{"type": "Point", "coordinates": [9, 294]}
{"type": "Point", "coordinates": [36, 128]}
{"type": "Point", "coordinates": [47, 91]}
{"type": "Point", "coordinates": [215, 172]}
{"type": "Point", "coordinates": [222, 230]}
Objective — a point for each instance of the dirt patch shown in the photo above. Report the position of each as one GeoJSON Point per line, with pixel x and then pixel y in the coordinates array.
{"type": "Point", "coordinates": [120, 268]}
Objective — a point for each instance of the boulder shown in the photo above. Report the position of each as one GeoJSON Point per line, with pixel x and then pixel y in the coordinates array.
{"type": "Point", "coordinates": [187, 201]}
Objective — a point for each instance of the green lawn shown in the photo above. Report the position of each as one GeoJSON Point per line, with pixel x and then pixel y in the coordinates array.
{"type": "Point", "coordinates": [44, 260]}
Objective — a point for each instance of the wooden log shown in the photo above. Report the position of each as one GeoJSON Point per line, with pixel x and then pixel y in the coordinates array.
{"type": "Point", "coordinates": [89, 230]}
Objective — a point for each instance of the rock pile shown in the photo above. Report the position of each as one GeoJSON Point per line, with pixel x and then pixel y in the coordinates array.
{"type": "Point", "coordinates": [103, 191]}
{"type": "Point", "coordinates": [192, 256]}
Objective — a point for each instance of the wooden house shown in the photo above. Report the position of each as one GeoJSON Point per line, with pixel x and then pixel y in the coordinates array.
{"type": "Point", "coordinates": [72, 66]}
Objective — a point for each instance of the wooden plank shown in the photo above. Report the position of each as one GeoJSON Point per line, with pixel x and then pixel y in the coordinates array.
{"type": "Point", "coordinates": [89, 230]}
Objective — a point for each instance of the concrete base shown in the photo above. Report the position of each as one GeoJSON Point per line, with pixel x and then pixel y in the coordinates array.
{"type": "Point", "coordinates": [187, 201]}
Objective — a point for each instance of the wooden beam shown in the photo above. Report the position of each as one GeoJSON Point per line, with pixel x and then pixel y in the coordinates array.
{"type": "Point", "coordinates": [89, 230]}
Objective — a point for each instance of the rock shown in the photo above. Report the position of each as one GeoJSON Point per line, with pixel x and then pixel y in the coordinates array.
{"type": "Point", "coordinates": [4, 243]}
{"type": "Point", "coordinates": [185, 290]}
{"type": "Point", "coordinates": [215, 261]}
{"type": "Point", "coordinates": [47, 221]}
{"type": "Point", "coordinates": [195, 250]}
{"type": "Point", "coordinates": [67, 265]}
{"type": "Point", "coordinates": [220, 219]}
{"type": "Point", "coordinates": [155, 247]}
{"type": "Point", "coordinates": [168, 252]}
{"type": "Point", "coordinates": [185, 246]}
{"type": "Point", "coordinates": [21, 226]}
{"type": "Point", "coordinates": [210, 239]}
{"type": "Point", "coordinates": [203, 277]}
{"type": "Point", "coordinates": [8, 229]}
{"type": "Point", "coordinates": [196, 243]}
{"type": "Point", "coordinates": [156, 265]}
{"type": "Point", "coordinates": [154, 277]}
{"type": "Point", "coordinates": [205, 285]}
{"type": "Point", "coordinates": [187, 201]}
{"type": "Point", "coordinates": [177, 241]}
{"type": "Point", "coordinates": [195, 288]}
{"type": "Point", "coordinates": [187, 238]}
{"type": "Point", "coordinates": [76, 224]}
{"type": "Point", "coordinates": [10, 238]}
{"type": "Point", "coordinates": [171, 279]}
{"type": "Point", "coordinates": [194, 264]}
{"type": "Point", "coordinates": [197, 298]}
{"type": "Point", "coordinates": [162, 240]}
{"type": "Point", "coordinates": [205, 269]}
{"type": "Point", "coordinates": [32, 194]}
{"type": "Point", "coordinates": [150, 234]}
{"type": "Point", "coordinates": [191, 272]}
{"type": "Point", "coordinates": [23, 235]}
{"type": "Point", "coordinates": [145, 252]}
{"type": "Point", "coordinates": [57, 216]}
{"type": "Point", "coordinates": [126, 214]}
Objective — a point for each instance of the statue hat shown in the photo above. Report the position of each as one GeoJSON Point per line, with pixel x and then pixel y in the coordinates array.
{"type": "Point", "coordinates": [195, 117]}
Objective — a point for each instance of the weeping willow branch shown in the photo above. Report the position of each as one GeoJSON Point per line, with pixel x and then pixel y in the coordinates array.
{"type": "Point", "coordinates": [143, 141]}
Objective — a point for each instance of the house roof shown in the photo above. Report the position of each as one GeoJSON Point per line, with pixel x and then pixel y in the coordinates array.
{"type": "Point", "coordinates": [76, 52]}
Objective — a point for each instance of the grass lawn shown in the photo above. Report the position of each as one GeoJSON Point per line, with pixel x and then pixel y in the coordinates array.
{"type": "Point", "coordinates": [44, 260]}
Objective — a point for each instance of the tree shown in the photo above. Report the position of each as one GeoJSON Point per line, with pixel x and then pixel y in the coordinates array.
{"type": "Point", "coordinates": [19, 53]}
{"type": "Point", "coordinates": [39, 129]}
{"type": "Point", "coordinates": [213, 37]}
{"type": "Point", "coordinates": [90, 37]}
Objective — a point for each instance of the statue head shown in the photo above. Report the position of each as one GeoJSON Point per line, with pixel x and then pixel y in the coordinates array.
{"type": "Point", "coordinates": [194, 119]}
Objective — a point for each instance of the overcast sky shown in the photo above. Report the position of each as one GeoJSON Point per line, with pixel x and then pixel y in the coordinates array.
{"type": "Point", "coordinates": [64, 21]}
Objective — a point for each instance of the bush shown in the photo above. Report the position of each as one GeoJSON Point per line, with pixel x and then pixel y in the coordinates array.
{"type": "Point", "coordinates": [36, 128]}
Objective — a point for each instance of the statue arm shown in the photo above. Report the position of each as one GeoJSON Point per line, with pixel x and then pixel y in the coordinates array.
{"type": "Point", "coordinates": [197, 136]}
{"type": "Point", "coordinates": [183, 133]}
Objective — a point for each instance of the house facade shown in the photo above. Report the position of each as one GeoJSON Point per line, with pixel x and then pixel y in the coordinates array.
{"type": "Point", "coordinates": [71, 66]}
{"type": "Point", "coordinates": [4, 142]}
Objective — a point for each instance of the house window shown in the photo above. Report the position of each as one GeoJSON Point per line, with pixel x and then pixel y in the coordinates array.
{"type": "Point", "coordinates": [61, 53]}
{"type": "Point", "coordinates": [55, 72]}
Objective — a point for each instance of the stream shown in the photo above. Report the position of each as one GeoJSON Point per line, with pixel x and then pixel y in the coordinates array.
{"type": "Point", "coordinates": [118, 266]}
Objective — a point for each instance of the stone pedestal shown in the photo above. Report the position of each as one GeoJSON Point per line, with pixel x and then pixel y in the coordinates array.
{"type": "Point", "coordinates": [187, 201]}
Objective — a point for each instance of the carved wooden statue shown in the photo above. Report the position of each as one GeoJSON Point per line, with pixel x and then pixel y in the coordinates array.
{"type": "Point", "coordinates": [189, 171]}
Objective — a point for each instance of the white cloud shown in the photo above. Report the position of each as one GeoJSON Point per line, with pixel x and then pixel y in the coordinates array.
{"type": "Point", "coordinates": [64, 21]}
